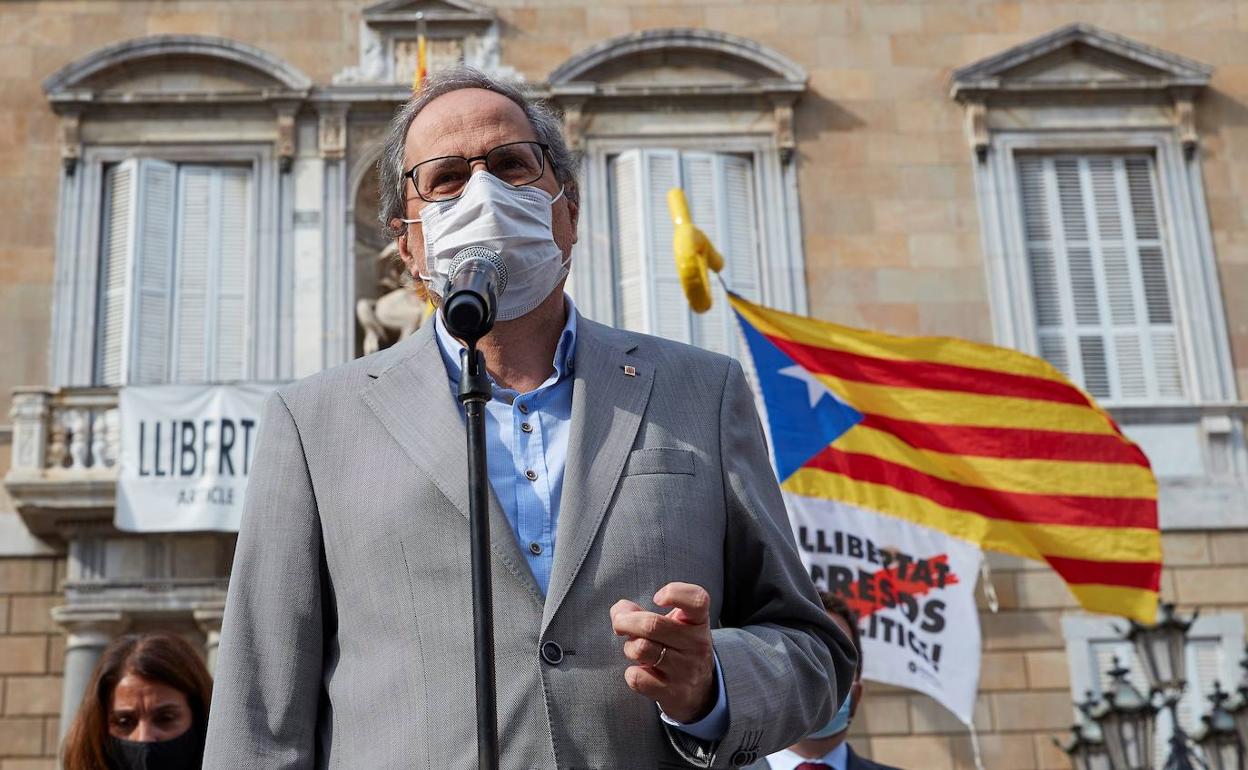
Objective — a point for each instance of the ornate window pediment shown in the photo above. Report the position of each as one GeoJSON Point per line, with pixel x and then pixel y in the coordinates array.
{"type": "Point", "coordinates": [678, 63]}
{"type": "Point", "coordinates": [455, 31]}
{"type": "Point", "coordinates": [406, 12]}
{"type": "Point", "coordinates": [1078, 58]}
{"type": "Point", "coordinates": [1070, 65]}
{"type": "Point", "coordinates": [176, 68]}
{"type": "Point", "coordinates": [174, 71]}
{"type": "Point", "coordinates": [679, 70]}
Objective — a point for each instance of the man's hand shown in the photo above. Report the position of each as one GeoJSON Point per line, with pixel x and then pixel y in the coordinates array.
{"type": "Point", "coordinates": [676, 664]}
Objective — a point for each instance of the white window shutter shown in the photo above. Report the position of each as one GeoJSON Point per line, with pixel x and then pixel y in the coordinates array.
{"type": "Point", "coordinates": [667, 310]}
{"type": "Point", "coordinates": [214, 217]}
{"type": "Point", "coordinates": [1099, 279]}
{"type": "Point", "coordinates": [198, 208]}
{"type": "Point", "coordinates": [702, 181]}
{"type": "Point", "coordinates": [153, 272]}
{"type": "Point", "coordinates": [737, 241]}
{"type": "Point", "coordinates": [628, 228]}
{"type": "Point", "coordinates": [117, 238]}
{"type": "Point", "coordinates": [234, 249]}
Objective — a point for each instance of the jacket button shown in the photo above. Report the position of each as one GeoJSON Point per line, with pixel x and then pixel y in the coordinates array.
{"type": "Point", "coordinates": [552, 653]}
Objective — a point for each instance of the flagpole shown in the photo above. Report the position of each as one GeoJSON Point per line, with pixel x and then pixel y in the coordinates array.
{"type": "Point", "coordinates": [422, 57]}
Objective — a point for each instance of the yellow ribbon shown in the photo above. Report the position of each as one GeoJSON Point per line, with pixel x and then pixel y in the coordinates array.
{"type": "Point", "coordinates": [694, 253]}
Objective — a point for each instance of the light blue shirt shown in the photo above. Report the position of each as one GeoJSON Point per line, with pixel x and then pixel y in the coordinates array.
{"type": "Point", "coordinates": [837, 758]}
{"type": "Point", "coordinates": [526, 437]}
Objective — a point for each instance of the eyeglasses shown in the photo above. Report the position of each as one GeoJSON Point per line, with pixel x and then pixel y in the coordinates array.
{"type": "Point", "coordinates": [444, 179]}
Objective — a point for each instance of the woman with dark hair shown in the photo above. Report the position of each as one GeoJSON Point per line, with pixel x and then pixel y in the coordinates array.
{"type": "Point", "coordinates": [146, 708]}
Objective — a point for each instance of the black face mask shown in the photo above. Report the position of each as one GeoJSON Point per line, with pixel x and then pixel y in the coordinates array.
{"type": "Point", "coordinates": [182, 753]}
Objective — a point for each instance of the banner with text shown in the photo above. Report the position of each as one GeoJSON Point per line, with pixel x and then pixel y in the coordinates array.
{"type": "Point", "coordinates": [185, 454]}
{"type": "Point", "coordinates": [913, 589]}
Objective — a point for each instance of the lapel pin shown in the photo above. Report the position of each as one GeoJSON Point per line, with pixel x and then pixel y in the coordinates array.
{"type": "Point", "coordinates": [630, 371]}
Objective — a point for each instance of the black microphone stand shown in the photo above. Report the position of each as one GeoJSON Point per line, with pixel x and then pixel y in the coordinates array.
{"type": "Point", "coordinates": [474, 391]}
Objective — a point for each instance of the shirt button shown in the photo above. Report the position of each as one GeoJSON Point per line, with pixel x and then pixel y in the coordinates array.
{"type": "Point", "coordinates": [524, 408]}
{"type": "Point", "coordinates": [531, 475]}
{"type": "Point", "coordinates": [535, 549]}
{"type": "Point", "coordinates": [526, 427]}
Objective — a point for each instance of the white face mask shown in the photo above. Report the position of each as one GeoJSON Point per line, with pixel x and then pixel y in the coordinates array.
{"type": "Point", "coordinates": [513, 221]}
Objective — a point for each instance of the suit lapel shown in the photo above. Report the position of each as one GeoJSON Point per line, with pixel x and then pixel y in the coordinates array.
{"type": "Point", "coordinates": [412, 399]}
{"type": "Point", "coordinates": [607, 406]}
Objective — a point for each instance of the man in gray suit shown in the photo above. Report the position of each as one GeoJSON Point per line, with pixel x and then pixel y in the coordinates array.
{"type": "Point", "coordinates": [650, 606]}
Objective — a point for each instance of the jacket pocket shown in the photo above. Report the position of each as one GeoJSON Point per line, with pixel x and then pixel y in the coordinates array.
{"type": "Point", "coordinates": [659, 460]}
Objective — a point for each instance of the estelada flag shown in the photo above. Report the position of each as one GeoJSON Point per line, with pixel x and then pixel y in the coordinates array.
{"type": "Point", "coordinates": [988, 444]}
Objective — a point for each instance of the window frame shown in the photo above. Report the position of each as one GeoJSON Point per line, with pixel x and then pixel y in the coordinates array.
{"type": "Point", "coordinates": [1199, 314]}
{"type": "Point", "coordinates": [80, 222]}
{"type": "Point", "coordinates": [782, 270]}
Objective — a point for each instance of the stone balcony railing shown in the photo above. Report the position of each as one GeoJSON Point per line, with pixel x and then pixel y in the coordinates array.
{"type": "Point", "coordinates": [66, 449]}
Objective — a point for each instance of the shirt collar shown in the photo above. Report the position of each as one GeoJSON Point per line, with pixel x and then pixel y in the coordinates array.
{"type": "Point", "coordinates": [565, 350]}
{"type": "Point", "coordinates": [837, 758]}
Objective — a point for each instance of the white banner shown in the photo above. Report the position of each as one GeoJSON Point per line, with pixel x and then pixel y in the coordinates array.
{"type": "Point", "coordinates": [913, 589]}
{"type": "Point", "coordinates": [186, 451]}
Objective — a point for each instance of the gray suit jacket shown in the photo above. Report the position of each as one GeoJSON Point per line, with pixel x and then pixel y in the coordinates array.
{"type": "Point", "coordinates": [348, 639]}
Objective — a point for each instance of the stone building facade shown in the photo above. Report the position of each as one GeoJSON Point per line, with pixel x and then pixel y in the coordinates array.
{"type": "Point", "coordinates": [907, 166]}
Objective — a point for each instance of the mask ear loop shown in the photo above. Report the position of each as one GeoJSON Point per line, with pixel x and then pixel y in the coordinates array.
{"type": "Point", "coordinates": [420, 275]}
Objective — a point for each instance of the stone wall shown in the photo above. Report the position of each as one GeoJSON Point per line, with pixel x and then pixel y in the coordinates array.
{"type": "Point", "coordinates": [1024, 687]}
{"type": "Point", "coordinates": [31, 654]}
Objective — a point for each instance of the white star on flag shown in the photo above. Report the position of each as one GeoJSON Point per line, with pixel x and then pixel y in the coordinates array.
{"type": "Point", "coordinates": [814, 388]}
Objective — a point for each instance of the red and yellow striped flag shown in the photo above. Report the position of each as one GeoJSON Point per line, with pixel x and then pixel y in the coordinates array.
{"type": "Point", "coordinates": [987, 444]}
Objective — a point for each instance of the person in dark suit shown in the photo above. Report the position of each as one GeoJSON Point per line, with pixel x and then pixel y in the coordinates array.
{"type": "Point", "coordinates": [827, 749]}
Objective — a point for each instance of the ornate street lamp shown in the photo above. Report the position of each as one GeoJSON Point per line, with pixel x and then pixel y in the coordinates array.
{"type": "Point", "coordinates": [1125, 719]}
{"type": "Point", "coordinates": [1160, 648]}
{"type": "Point", "coordinates": [1218, 741]}
{"type": "Point", "coordinates": [1239, 711]}
{"type": "Point", "coordinates": [1085, 748]}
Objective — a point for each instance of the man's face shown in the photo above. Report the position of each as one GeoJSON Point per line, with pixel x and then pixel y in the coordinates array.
{"type": "Point", "coordinates": [471, 122]}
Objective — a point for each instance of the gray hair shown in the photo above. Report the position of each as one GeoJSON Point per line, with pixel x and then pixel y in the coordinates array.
{"type": "Point", "coordinates": [546, 123]}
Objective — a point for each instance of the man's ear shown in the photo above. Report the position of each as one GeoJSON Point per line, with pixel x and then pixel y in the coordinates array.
{"type": "Point", "coordinates": [574, 215]}
{"type": "Point", "coordinates": [405, 252]}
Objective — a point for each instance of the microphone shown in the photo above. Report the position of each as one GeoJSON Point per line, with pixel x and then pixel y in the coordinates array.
{"type": "Point", "coordinates": [477, 278]}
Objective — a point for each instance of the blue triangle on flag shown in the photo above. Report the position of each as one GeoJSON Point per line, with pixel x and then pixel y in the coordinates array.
{"type": "Point", "coordinates": [799, 428]}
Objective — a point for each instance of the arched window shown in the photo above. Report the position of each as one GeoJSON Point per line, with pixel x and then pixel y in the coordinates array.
{"type": "Point", "coordinates": [168, 244]}
{"type": "Point", "coordinates": [711, 113]}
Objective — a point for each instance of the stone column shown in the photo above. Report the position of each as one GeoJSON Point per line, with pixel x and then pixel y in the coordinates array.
{"type": "Point", "coordinates": [88, 630]}
{"type": "Point", "coordinates": [208, 616]}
